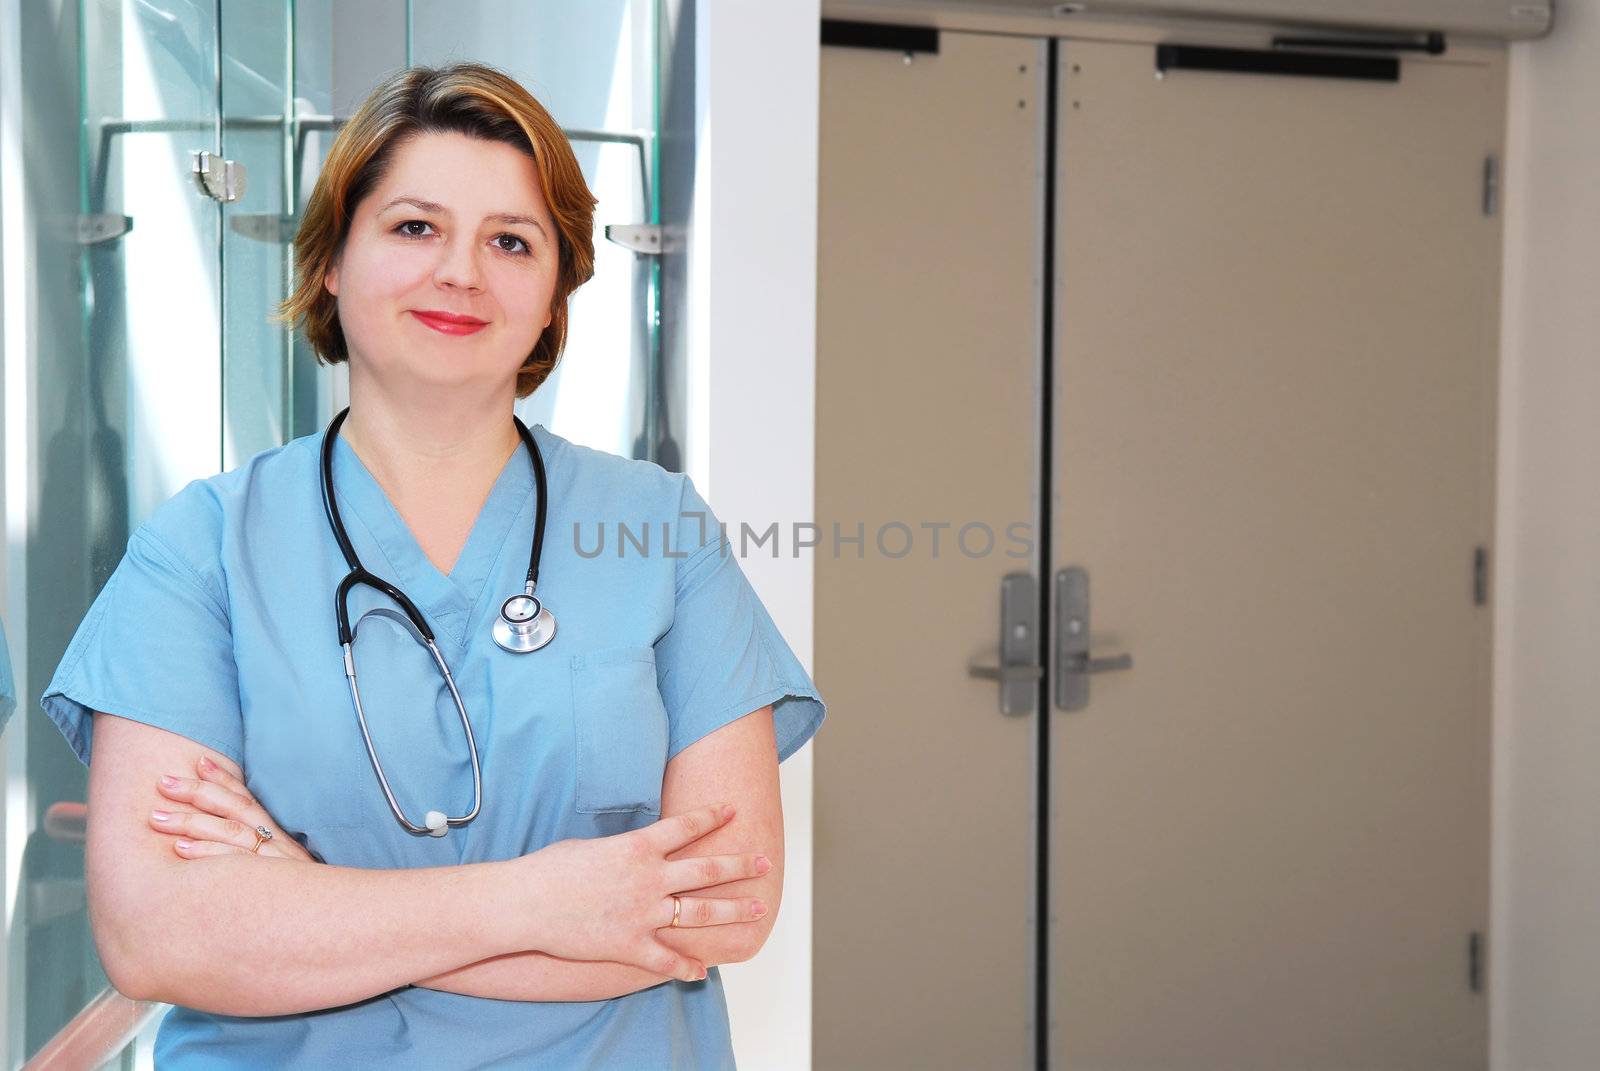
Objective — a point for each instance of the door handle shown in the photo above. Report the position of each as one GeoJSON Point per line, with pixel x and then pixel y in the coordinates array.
{"type": "Point", "coordinates": [1006, 673]}
{"type": "Point", "coordinates": [1074, 663]}
{"type": "Point", "coordinates": [1082, 663]}
{"type": "Point", "coordinates": [1018, 671]}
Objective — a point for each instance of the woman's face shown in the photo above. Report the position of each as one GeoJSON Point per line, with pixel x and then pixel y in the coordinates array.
{"type": "Point", "coordinates": [458, 225]}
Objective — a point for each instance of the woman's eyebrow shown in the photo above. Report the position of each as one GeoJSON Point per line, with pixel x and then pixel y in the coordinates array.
{"type": "Point", "coordinates": [439, 209]}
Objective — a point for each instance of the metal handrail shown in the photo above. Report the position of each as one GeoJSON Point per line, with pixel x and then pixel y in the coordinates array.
{"type": "Point", "coordinates": [305, 124]}
{"type": "Point", "coordinates": [108, 1022]}
{"type": "Point", "coordinates": [102, 1029]}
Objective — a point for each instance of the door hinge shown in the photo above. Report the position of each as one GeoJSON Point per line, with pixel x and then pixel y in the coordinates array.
{"type": "Point", "coordinates": [1475, 959]}
{"type": "Point", "coordinates": [1491, 184]}
{"type": "Point", "coordinates": [1480, 576]}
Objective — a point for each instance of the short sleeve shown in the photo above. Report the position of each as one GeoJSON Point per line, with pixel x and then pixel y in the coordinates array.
{"type": "Point", "coordinates": [155, 647]}
{"type": "Point", "coordinates": [722, 657]}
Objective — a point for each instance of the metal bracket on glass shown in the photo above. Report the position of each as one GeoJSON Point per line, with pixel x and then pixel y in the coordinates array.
{"type": "Point", "coordinates": [100, 227]}
{"type": "Point", "coordinates": [1017, 672]}
{"type": "Point", "coordinates": [274, 228]}
{"type": "Point", "coordinates": [220, 179]}
{"type": "Point", "coordinates": [1073, 662]}
{"type": "Point", "coordinates": [651, 239]}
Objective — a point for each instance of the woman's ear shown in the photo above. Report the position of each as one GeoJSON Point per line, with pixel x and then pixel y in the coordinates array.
{"type": "Point", "coordinates": [330, 279]}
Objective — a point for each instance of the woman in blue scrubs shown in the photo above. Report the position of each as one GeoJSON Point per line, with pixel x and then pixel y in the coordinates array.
{"type": "Point", "coordinates": [445, 235]}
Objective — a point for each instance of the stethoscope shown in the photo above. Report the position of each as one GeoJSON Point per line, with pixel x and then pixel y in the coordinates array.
{"type": "Point", "coordinates": [524, 624]}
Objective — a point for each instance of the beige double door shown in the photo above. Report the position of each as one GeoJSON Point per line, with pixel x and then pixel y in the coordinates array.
{"type": "Point", "coordinates": [1243, 397]}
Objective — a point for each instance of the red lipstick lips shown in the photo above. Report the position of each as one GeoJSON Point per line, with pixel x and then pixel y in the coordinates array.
{"type": "Point", "coordinates": [449, 323]}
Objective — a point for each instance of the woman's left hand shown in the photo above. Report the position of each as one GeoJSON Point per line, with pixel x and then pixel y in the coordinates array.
{"type": "Point", "coordinates": [223, 817]}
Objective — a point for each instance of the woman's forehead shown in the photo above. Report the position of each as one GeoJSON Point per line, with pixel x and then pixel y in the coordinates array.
{"type": "Point", "coordinates": [459, 175]}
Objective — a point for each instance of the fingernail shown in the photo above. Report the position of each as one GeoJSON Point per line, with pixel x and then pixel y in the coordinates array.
{"type": "Point", "coordinates": [727, 810]}
{"type": "Point", "coordinates": [207, 764]}
{"type": "Point", "coordinates": [185, 845]}
{"type": "Point", "coordinates": [161, 816]}
{"type": "Point", "coordinates": [763, 864]}
{"type": "Point", "coordinates": [758, 909]}
{"type": "Point", "coordinates": [169, 781]}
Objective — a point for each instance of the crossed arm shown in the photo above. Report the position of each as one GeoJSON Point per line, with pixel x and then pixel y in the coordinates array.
{"type": "Point", "coordinates": [205, 950]}
{"type": "Point", "coordinates": [739, 763]}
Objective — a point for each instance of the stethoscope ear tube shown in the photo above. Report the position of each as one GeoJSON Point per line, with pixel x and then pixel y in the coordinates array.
{"type": "Point", "coordinates": [542, 485]}
{"type": "Point", "coordinates": [329, 506]}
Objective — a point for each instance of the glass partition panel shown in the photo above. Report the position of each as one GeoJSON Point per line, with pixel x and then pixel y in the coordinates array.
{"type": "Point", "coordinates": [123, 400]}
{"type": "Point", "coordinates": [597, 393]}
{"type": "Point", "coordinates": [258, 228]}
{"type": "Point", "coordinates": [152, 295]}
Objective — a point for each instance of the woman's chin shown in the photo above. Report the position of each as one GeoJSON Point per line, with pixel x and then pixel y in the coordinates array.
{"type": "Point", "coordinates": [446, 375]}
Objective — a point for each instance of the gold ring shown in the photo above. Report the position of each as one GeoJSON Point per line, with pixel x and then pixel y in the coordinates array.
{"type": "Point", "coordinates": [677, 906]}
{"type": "Point", "coordinates": [263, 834]}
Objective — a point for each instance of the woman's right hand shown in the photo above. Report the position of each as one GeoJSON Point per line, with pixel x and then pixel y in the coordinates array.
{"type": "Point", "coordinates": [604, 898]}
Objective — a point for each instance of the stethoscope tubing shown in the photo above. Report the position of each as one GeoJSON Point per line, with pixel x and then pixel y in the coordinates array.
{"type": "Point", "coordinates": [359, 574]}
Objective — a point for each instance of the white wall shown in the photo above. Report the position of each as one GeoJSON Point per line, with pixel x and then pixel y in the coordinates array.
{"type": "Point", "coordinates": [1544, 947]}
{"type": "Point", "coordinates": [751, 405]}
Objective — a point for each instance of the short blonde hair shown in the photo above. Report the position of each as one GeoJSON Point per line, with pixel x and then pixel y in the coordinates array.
{"type": "Point", "coordinates": [468, 98]}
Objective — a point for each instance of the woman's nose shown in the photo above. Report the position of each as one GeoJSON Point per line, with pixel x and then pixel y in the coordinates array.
{"type": "Point", "coordinates": [458, 265]}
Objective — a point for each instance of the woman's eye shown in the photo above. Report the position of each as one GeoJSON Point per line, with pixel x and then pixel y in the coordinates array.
{"type": "Point", "coordinates": [514, 238]}
{"type": "Point", "coordinates": [520, 248]}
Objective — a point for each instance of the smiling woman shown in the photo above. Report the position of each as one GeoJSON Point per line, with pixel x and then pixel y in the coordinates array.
{"type": "Point", "coordinates": [269, 893]}
{"type": "Point", "coordinates": [526, 186]}
{"type": "Point", "coordinates": [403, 247]}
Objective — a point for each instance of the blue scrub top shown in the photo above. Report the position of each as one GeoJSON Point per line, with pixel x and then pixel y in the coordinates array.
{"type": "Point", "coordinates": [219, 624]}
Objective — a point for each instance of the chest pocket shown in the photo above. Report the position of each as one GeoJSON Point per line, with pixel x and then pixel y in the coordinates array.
{"type": "Point", "coordinates": [621, 730]}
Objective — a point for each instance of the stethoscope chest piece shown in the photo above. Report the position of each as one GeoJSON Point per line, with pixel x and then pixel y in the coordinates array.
{"type": "Point", "coordinates": [524, 624]}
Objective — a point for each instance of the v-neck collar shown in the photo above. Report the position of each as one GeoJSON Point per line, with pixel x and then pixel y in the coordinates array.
{"type": "Point", "coordinates": [449, 602]}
